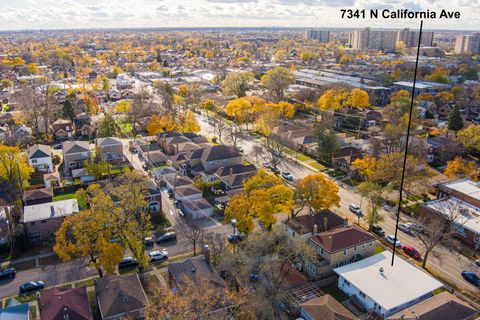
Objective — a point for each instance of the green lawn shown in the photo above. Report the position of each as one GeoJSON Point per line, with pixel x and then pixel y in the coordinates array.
{"type": "Point", "coordinates": [71, 195]}
{"type": "Point", "coordinates": [303, 158]}
{"type": "Point", "coordinates": [126, 127]}
{"type": "Point", "coordinates": [118, 170]}
{"type": "Point", "coordinates": [85, 283]}
{"type": "Point", "coordinates": [317, 165]}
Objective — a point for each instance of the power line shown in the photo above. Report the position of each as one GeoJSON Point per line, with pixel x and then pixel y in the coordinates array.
{"type": "Point", "coordinates": [400, 197]}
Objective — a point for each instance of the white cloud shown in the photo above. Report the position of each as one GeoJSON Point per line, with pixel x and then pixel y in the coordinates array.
{"type": "Point", "coordinates": [44, 14]}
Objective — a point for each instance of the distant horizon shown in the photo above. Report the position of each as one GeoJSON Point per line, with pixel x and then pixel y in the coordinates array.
{"type": "Point", "coordinates": [239, 28]}
{"type": "Point", "coordinates": [21, 15]}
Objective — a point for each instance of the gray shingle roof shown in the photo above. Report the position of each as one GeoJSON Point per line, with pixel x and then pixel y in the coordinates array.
{"type": "Point", "coordinates": [109, 141]}
{"type": "Point", "coordinates": [38, 151]}
{"type": "Point", "coordinates": [69, 147]}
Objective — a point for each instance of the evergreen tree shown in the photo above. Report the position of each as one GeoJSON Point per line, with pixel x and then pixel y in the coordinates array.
{"type": "Point", "coordinates": [328, 145]}
{"type": "Point", "coordinates": [455, 121]}
{"type": "Point", "coordinates": [68, 110]}
{"type": "Point", "coordinates": [107, 128]}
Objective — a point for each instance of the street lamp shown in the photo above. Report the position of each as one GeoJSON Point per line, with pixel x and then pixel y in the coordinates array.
{"type": "Point", "coordinates": [233, 222]}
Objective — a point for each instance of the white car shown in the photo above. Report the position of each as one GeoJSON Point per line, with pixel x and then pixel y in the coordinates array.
{"type": "Point", "coordinates": [391, 239]}
{"type": "Point", "coordinates": [355, 208]}
{"type": "Point", "coordinates": [158, 255]}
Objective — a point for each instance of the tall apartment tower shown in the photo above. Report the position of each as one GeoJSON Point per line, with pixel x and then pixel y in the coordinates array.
{"type": "Point", "coordinates": [410, 38]}
{"type": "Point", "coordinates": [386, 40]}
{"type": "Point", "coordinates": [320, 35]}
{"type": "Point", "coordinates": [375, 39]}
{"type": "Point", "coordinates": [470, 43]}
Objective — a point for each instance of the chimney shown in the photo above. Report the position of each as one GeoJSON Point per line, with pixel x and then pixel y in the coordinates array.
{"type": "Point", "coordinates": [231, 171]}
{"type": "Point", "coordinates": [65, 314]}
{"type": "Point", "coordinates": [315, 229]}
{"type": "Point", "coordinates": [206, 252]}
{"type": "Point", "coordinates": [381, 269]}
{"type": "Point", "coordinates": [325, 224]}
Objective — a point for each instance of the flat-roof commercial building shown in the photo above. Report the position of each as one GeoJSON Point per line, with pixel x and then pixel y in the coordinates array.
{"type": "Point", "coordinates": [320, 35]}
{"type": "Point", "coordinates": [380, 288]}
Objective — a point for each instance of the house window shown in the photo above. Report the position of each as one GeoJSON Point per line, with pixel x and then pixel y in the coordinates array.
{"type": "Point", "coordinates": [477, 238]}
{"type": "Point", "coordinates": [34, 160]}
{"type": "Point", "coordinates": [371, 244]}
{"type": "Point", "coordinates": [361, 294]}
{"type": "Point", "coordinates": [459, 229]}
{"type": "Point", "coordinates": [321, 250]}
{"type": "Point", "coordinates": [355, 248]}
{"type": "Point", "coordinates": [345, 252]}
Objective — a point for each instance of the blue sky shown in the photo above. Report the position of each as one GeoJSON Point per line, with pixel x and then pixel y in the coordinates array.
{"type": "Point", "coordinates": [50, 14]}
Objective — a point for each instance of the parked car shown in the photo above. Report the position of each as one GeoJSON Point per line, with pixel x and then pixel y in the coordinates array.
{"type": "Point", "coordinates": [391, 239]}
{"type": "Point", "coordinates": [158, 255]}
{"type": "Point", "coordinates": [415, 227]}
{"type": "Point", "coordinates": [240, 149]}
{"type": "Point", "coordinates": [148, 241]}
{"type": "Point", "coordinates": [266, 164]}
{"type": "Point", "coordinates": [275, 170]}
{"type": "Point", "coordinates": [235, 237]}
{"type": "Point", "coordinates": [8, 273]}
{"type": "Point", "coordinates": [355, 208]}
{"type": "Point", "coordinates": [471, 277]}
{"type": "Point", "coordinates": [127, 262]}
{"type": "Point", "coordinates": [411, 251]}
{"type": "Point", "coordinates": [378, 230]}
{"type": "Point", "coordinates": [287, 175]}
{"type": "Point", "coordinates": [169, 236]}
{"type": "Point", "coordinates": [405, 228]}
{"type": "Point", "coordinates": [31, 286]}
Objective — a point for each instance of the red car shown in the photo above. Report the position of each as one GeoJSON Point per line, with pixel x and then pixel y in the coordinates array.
{"type": "Point", "coordinates": [411, 251]}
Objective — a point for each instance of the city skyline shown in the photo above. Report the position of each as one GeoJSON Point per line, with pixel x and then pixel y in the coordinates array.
{"type": "Point", "coordinates": [68, 14]}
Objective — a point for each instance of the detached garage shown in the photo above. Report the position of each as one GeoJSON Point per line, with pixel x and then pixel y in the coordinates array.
{"type": "Point", "coordinates": [196, 209]}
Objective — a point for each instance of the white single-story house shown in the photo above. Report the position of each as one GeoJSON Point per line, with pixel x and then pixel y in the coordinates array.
{"type": "Point", "coordinates": [198, 208]}
{"type": "Point", "coordinates": [384, 289]}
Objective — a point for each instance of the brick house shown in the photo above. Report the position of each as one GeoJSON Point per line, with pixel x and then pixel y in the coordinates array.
{"type": "Point", "coordinates": [60, 304]}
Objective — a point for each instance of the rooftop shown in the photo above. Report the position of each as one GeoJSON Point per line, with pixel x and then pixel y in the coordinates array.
{"type": "Point", "coordinates": [326, 308]}
{"type": "Point", "coordinates": [325, 220]}
{"type": "Point", "coordinates": [57, 303]}
{"type": "Point", "coordinates": [342, 238]}
{"type": "Point", "coordinates": [465, 186]}
{"type": "Point", "coordinates": [458, 211]}
{"type": "Point", "coordinates": [50, 210]}
{"type": "Point", "coordinates": [388, 286]}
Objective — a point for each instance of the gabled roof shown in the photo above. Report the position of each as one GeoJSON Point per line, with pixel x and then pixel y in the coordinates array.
{"type": "Point", "coordinates": [235, 169]}
{"type": "Point", "coordinates": [109, 141]}
{"type": "Point", "coordinates": [341, 238]}
{"type": "Point", "coordinates": [219, 152]}
{"type": "Point", "coordinates": [197, 204]}
{"type": "Point", "coordinates": [326, 308]}
{"type": "Point", "coordinates": [118, 295]}
{"type": "Point", "coordinates": [59, 304]}
{"type": "Point", "coordinates": [187, 190]}
{"type": "Point", "coordinates": [197, 269]}
{"type": "Point", "coordinates": [443, 306]}
{"type": "Point", "coordinates": [38, 151]}
{"type": "Point", "coordinates": [37, 194]}
{"type": "Point", "coordinates": [70, 147]}
{"type": "Point", "coordinates": [180, 181]}
{"type": "Point", "coordinates": [304, 224]}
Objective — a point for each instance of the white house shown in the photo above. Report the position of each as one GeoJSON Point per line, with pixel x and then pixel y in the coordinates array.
{"type": "Point", "coordinates": [40, 158]}
{"type": "Point", "coordinates": [187, 193]}
{"type": "Point", "coordinates": [382, 288]}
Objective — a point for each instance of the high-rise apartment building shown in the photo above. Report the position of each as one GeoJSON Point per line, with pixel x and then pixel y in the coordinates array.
{"type": "Point", "coordinates": [386, 40]}
{"type": "Point", "coordinates": [320, 35]}
{"type": "Point", "coordinates": [469, 43]}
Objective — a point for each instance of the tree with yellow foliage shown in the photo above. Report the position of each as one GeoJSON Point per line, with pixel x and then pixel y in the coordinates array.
{"type": "Point", "coordinates": [459, 168]}
{"type": "Point", "coordinates": [263, 196]}
{"type": "Point", "coordinates": [32, 68]}
{"type": "Point", "coordinates": [237, 83]}
{"type": "Point", "coordinates": [183, 90]}
{"type": "Point", "coordinates": [241, 110]}
{"type": "Point", "coordinates": [281, 54]}
{"type": "Point", "coordinates": [358, 99]}
{"type": "Point", "coordinates": [276, 80]}
{"type": "Point", "coordinates": [285, 109]}
{"type": "Point", "coordinates": [89, 233]}
{"type": "Point", "coordinates": [160, 124]}
{"type": "Point", "coordinates": [123, 106]}
{"type": "Point", "coordinates": [14, 167]}
{"type": "Point", "coordinates": [316, 192]}
{"type": "Point", "coordinates": [188, 122]}
{"type": "Point", "coordinates": [208, 105]}
{"type": "Point", "coordinates": [328, 101]}
{"type": "Point", "coordinates": [470, 137]}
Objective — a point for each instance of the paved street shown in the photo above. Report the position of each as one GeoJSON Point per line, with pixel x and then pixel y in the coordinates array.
{"type": "Point", "coordinates": [448, 264]}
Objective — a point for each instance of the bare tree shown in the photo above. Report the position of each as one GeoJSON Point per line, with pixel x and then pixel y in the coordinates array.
{"type": "Point", "coordinates": [216, 245]}
{"type": "Point", "coordinates": [142, 106]}
{"type": "Point", "coordinates": [440, 229]}
{"type": "Point", "coordinates": [274, 152]}
{"type": "Point", "coordinates": [220, 127]}
{"type": "Point", "coordinates": [191, 232]}
{"type": "Point", "coordinates": [234, 132]}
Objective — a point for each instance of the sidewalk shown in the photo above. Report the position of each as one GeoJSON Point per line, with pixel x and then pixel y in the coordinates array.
{"type": "Point", "coordinates": [26, 259]}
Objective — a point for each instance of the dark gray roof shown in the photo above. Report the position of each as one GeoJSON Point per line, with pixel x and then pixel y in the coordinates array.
{"type": "Point", "coordinates": [69, 147]}
{"type": "Point", "coordinates": [187, 190]}
{"type": "Point", "coordinates": [38, 151]}
{"type": "Point", "coordinates": [119, 294]}
{"type": "Point", "coordinates": [219, 152]}
{"type": "Point", "coordinates": [235, 169]}
{"type": "Point", "coordinates": [197, 204]}
{"type": "Point", "coordinates": [197, 269]}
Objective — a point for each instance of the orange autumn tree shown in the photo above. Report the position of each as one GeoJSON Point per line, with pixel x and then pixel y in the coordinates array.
{"type": "Point", "coordinates": [316, 192]}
